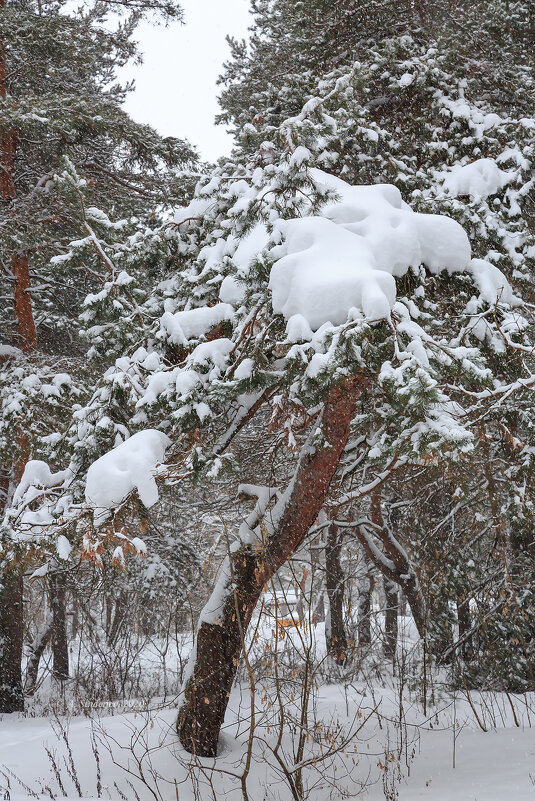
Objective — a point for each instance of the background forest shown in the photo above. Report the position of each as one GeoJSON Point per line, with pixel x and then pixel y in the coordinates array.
{"type": "Point", "coordinates": [266, 435]}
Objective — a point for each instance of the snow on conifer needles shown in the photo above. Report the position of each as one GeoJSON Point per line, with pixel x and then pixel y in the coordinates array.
{"type": "Point", "coordinates": [311, 363]}
{"type": "Point", "coordinates": [291, 284]}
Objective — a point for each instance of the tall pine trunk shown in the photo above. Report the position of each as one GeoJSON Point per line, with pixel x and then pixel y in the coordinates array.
{"type": "Point", "coordinates": [11, 579]}
{"type": "Point", "coordinates": [27, 332]}
{"type": "Point", "coordinates": [9, 142]}
{"type": "Point", "coordinates": [248, 568]}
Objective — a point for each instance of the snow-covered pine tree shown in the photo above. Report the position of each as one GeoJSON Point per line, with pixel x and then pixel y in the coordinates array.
{"type": "Point", "coordinates": [294, 44]}
{"type": "Point", "coordinates": [439, 103]}
{"type": "Point", "coordinates": [339, 311]}
{"type": "Point", "coordinates": [59, 98]}
{"type": "Point", "coordinates": [365, 331]}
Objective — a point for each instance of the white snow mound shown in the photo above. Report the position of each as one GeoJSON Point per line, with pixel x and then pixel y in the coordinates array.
{"type": "Point", "coordinates": [130, 466]}
{"type": "Point", "coordinates": [492, 284]}
{"type": "Point", "coordinates": [182, 326]}
{"type": "Point", "coordinates": [37, 474]}
{"type": "Point", "coordinates": [348, 257]}
{"type": "Point", "coordinates": [479, 179]}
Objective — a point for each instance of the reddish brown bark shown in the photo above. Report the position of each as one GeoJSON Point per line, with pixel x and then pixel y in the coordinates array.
{"type": "Point", "coordinates": [9, 141]}
{"type": "Point", "coordinates": [420, 10]}
{"type": "Point", "coordinates": [8, 150]}
{"type": "Point", "coordinates": [3, 75]}
{"type": "Point", "coordinates": [219, 644]}
{"type": "Point", "coordinates": [27, 332]}
{"type": "Point", "coordinates": [11, 581]}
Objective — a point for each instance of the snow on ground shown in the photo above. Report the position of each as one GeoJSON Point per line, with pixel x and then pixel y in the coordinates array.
{"type": "Point", "coordinates": [395, 749]}
{"type": "Point", "coordinates": [498, 765]}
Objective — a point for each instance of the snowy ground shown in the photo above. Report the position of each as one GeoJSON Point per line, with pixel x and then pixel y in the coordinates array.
{"type": "Point", "coordinates": [368, 736]}
{"type": "Point", "coordinates": [497, 765]}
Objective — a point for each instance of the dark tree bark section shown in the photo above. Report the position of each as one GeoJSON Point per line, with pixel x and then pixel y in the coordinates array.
{"type": "Point", "coordinates": [391, 617]}
{"type": "Point", "coordinates": [219, 645]}
{"type": "Point", "coordinates": [60, 648]}
{"type": "Point", "coordinates": [38, 649]}
{"type": "Point", "coordinates": [114, 628]}
{"type": "Point", "coordinates": [54, 632]}
{"type": "Point", "coordinates": [337, 644]}
{"type": "Point", "coordinates": [396, 567]}
{"type": "Point", "coordinates": [365, 587]}
{"type": "Point", "coordinates": [11, 636]}
{"type": "Point", "coordinates": [465, 625]}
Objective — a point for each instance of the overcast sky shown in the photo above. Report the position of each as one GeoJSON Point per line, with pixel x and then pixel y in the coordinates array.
{"type": "Point", "coordinates": [176, 85]}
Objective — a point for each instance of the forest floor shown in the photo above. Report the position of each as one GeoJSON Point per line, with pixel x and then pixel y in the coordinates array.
{"type": "Point", "coordinates": [369, 732]}
{"type": "Point", "coordinates": [401, 753]}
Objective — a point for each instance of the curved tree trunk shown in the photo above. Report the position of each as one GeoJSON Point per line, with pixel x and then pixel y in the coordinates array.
{"type": "Point", "coordinates": [247, 569]}
{"type": "Point", "coordinates": [53, 632]}
{"type": "Point", "coordinates": [393, 562]}
{"type": "Point", "coordinates": [38, 648]}
{"type": "Point", "coordinates": [335, 633]}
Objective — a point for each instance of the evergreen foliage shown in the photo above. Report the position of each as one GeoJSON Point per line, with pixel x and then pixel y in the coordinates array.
{"type": "Point", "coordinates": [189, 340]}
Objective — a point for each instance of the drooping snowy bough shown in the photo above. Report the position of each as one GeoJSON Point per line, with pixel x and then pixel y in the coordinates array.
{"type": "Point", "coordinates": [356, 321]}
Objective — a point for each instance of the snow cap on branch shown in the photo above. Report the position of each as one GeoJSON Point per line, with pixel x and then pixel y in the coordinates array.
{"type": "Point", "coordinates": [130, 466]}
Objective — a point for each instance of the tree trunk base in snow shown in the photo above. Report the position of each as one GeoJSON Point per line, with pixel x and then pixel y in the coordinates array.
{"type": "Point", "coordinates": [199, 723]}
{"type": "Point", "coordinates": [218, 651]}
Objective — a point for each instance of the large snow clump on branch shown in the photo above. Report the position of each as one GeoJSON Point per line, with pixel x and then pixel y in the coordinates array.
{"type": "Point", "coordinates": [130, 466]}
{"type": "Point", "coordinates": [479, 179]}
{"type": "Point", "coordinates": [347, 258]}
